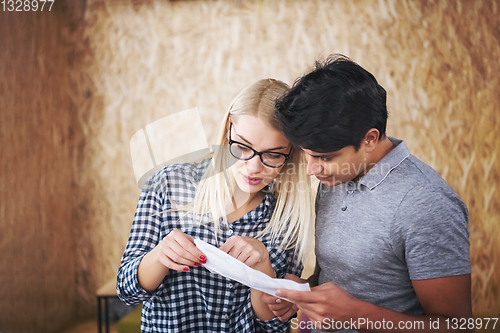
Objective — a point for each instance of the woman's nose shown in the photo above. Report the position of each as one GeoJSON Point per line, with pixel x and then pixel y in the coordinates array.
{"type": "Point", "coordinates": [254, 165]}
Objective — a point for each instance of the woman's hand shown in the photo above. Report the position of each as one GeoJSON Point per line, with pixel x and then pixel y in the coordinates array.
{"type": "Point", "coordinates": [178, 251]}
{"type": "Point", "coordinates": [281, 308]}
{"type": "Point", "coordinates": [248, 250]}
{"type": "Point", "coordinates": [253, 253]}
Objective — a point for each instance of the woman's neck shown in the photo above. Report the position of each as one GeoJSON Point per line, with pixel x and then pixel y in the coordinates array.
{"type": "Point", "coordinates": [242, 203]}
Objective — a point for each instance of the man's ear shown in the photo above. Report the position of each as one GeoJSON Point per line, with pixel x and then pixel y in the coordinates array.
{"type": "Point", "coordinates": [370, 141]}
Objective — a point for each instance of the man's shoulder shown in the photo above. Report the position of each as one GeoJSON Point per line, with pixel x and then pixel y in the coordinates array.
{"type": "Point", "coordinates": [413, 173]}
{"type": "Point", "coordinates": [421, 171]}
{"type": "Point", "coordinates": [425, 187]}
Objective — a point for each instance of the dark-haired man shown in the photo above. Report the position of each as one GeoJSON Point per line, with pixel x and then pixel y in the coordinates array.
{"type": "Point", "coordinates": [392, 243]}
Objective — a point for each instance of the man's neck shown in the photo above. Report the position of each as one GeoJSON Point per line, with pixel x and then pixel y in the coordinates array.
{"type": "Point", "coordinates": [384, 147]}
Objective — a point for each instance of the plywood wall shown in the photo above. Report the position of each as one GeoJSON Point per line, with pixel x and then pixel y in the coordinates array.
{"type": "Point", "coordinates": [438, 61]}
{"type": "Point", "coordinates": [133, 62]}
{"type": "Point", "coordinates": [37, 266]}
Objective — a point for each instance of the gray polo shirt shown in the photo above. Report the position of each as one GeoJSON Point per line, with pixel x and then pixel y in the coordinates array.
{"type": "Point", "coordinates": [399, 222]}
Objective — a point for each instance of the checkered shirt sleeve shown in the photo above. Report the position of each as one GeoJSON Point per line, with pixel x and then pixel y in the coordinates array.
{"type": "Point", "coordinates": [197, 300]}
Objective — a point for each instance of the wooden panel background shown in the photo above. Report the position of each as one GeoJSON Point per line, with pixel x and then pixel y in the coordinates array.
{"type": "Point", "coordinates": [71, 102]}
{"type": "Point", "coordinates": [38, 289]}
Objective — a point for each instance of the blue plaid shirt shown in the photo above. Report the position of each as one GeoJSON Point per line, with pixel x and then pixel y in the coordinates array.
{"type": "Point", "coordinates": [197, 300]}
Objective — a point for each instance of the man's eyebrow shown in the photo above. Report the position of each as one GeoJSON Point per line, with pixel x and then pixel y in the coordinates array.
{"type": "Point", "coordinates": [249, 143]}
{"type": "Point", "coordinates": [331, 154]}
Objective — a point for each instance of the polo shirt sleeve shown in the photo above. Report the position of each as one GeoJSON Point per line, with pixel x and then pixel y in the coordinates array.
{"type": "Point", "coordinates": [430, 233]}
{"type": "Point", "coordinates": [144, 236]}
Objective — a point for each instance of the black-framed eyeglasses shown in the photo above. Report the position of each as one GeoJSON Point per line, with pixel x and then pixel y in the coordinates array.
{"type": "Point", "coordinates": [243, 152]}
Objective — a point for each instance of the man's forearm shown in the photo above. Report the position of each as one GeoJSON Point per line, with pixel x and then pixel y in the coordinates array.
{"type": "Point", "coordinates": [313, 280]}
{"type": "Point", "coordinates": [372, 318]}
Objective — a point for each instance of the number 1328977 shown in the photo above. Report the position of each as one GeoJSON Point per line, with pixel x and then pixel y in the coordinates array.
{"type": "Point", "coordinates": [471, 323]}
{"type": "Point", "coordinates": [26, 5]}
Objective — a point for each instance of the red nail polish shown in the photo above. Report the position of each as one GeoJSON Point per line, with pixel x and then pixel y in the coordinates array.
{"type": "Point", "coordinates": [185, 269]}
{"type": "Point", "coordinates": [203, 258]}
{"type": "Point", "coordinates": [197, 264]}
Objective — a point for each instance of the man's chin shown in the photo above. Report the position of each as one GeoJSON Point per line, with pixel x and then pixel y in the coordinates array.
{"type": "Point", "coordinates": [328, 181]}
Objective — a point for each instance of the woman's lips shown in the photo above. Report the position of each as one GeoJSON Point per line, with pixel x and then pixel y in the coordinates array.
{"type": "Point", "coordinates": [251, 180]}
{"type": "Point", "coordinates": [322, 179]}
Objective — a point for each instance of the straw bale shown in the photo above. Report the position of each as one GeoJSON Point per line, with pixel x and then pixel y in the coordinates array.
{"type": "Point", "coordinates": [130, 63]}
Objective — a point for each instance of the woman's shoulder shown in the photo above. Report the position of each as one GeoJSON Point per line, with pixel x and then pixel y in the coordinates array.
{"type": "Point", "coordinates": [179, 175]}
{"type": "Point", "coordinates": [192, 169]}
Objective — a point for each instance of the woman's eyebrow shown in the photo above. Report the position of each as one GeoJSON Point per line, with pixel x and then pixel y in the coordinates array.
{"type": "Point", "coordinates": [249, 143]}
{"type": "Point", "coordinates": [277, 148]}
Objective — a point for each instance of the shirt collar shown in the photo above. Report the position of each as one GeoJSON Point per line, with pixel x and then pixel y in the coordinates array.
{"type": "Point", "coordinates": [381, 170]}
{"type": "Point", "coordinates": [263, 210]}
{"type": "Point", "coordinates": [267, 205]}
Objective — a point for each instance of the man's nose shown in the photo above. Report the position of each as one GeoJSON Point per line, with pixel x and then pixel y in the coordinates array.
{"type": "Point", "coordinates": [313, 167]}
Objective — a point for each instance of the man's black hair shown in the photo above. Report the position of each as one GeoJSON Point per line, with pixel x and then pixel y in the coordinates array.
{"type": "Point", "coordinates": [333, 107]}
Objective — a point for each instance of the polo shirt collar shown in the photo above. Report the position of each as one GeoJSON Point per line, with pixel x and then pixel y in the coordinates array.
{"type": "Point", "coordinates": [381, 170]}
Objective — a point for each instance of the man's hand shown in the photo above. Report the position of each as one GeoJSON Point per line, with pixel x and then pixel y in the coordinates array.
{"type": "Point", "coordinates": [323, 302]}
{"type": "Point", "coordinates": [441, 298]}
{"type": "Point", "coordinates": [281, 308]}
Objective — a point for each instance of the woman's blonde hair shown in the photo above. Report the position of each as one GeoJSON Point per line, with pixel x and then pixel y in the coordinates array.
{"type": "Point", "coordinates": [293, 216]}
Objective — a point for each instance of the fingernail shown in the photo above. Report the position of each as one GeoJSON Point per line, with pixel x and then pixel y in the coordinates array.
{"type": "Point", "coordinates": [278, 300]}
{"type": "Point", "coordinates": [197, 264]}
{"type": "Point", "coordinates": [278, 293]}
{"type": "Point", "coordinates": [204, 261]}
{"type": "Point", "coordinates": [203, 258]}
{"type": "Point", "coordinates": [185, 269]}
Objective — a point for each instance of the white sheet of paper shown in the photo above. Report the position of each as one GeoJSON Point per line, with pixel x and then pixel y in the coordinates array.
{"type": "Point", "coordinates": [222, 263]}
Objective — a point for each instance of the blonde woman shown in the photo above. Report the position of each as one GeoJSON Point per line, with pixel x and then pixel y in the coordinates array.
{"type": "Point", "coordinates": [252, 199]}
